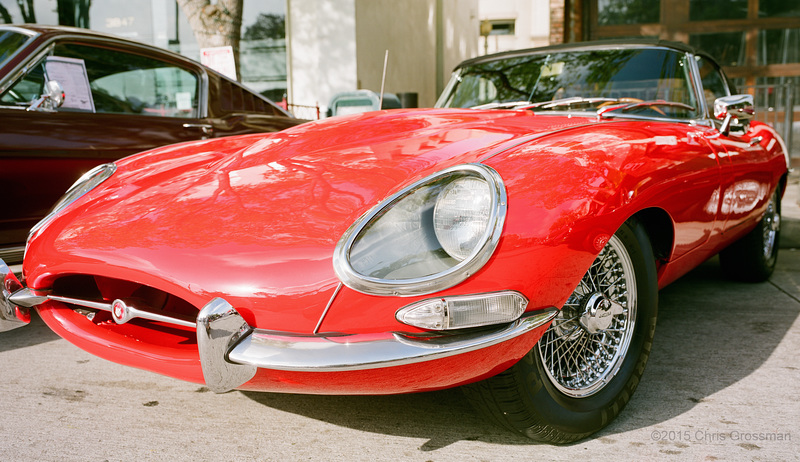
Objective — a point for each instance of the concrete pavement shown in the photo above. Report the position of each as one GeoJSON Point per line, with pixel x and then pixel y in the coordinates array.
{"type": "Point", "coordinates": [721, 384]}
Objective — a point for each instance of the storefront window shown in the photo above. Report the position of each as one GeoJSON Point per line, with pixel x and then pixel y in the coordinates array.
{"type": "Point", "coordinates": [726, 47]}
{"type": "Point", "coordinates": [704, 10]}
{"type": "Point", "coordinates": [616, 12]}
{"type": "Point", "coordinates": [778, 8]}
{"type": "Point", "coordinates": [779, 46]}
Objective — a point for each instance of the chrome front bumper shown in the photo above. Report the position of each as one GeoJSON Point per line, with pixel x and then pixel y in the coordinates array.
{"type": "Point", "coordinates": [231, 351]}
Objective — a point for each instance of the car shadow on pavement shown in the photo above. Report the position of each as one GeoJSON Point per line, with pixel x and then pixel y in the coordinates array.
{"type": "Point", "coordinates": [707, 339]}
{"type": "Point", "coordinates": [711, 334]}
{"type": "Point", "coordinates": [33, 334]}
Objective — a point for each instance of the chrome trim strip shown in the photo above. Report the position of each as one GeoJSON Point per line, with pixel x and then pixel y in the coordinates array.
{"type": "Point", "coordinates": [328, 307]}
{"type": "Point", "coordinates": [219, 327]}
{"type": "Point", "coordinates": [85, 303]}
{"type": "Point", "coordinates": [11, 315]}
{"type": "Point", "coordinates": [121, 311]}
{"type": "Point", "coordinates": [351, 353]}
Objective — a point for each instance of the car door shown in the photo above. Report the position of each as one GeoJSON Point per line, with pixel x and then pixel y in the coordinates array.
{"type": "Point", "coordinates": [745, 178]}
{"type": "Point", "coordinates": [118, 101]}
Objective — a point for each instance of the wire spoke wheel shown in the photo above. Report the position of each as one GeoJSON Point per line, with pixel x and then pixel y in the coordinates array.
{"type": "Point", "coordinates": [584, 369]}
{"type": "Point", "coordinates": [772, 225]}
{"type": "Point", "coordinates": [585, 345]}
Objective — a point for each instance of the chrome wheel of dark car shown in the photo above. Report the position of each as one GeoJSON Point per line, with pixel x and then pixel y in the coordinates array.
{"type": "Point", "coordinates": [587, 343]}
{"type": "Point", "coordinates": [753, 257]}
{"type": "Point", "coordinates": [586, 367]}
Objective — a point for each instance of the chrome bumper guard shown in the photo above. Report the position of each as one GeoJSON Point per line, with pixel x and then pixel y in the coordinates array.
{"type": "Point", "coordinates": [231, 351]}
{"type": "Point", "coordinates": [11, 315]}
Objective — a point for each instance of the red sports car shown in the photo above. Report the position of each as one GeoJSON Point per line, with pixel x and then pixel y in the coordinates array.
{"type": "Point", "coordinates": [513, 239]}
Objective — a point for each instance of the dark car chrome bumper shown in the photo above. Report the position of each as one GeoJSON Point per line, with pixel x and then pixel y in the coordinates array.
{"type": "Point", "coordinates": [11, 315]}
{"type": "Point", "coordinates": [231, 351]}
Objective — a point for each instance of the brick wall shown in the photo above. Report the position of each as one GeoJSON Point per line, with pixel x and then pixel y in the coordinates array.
{"type": "Point", "coordinates": [556, 22]}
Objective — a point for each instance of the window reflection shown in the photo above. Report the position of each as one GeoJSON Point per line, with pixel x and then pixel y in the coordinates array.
{"type": "Point", "coordinates": [727, 47]}
{"type": "Point", "coordinates": [780, 46]}
{"type": "Point", "coordinates": [615, 12]}
{"type": "Point", "coordinates": [778, 8]}
{"type": "Point", "coordinates": [705, 10]}
{"type": "Point", "coordinates": [641, 74]}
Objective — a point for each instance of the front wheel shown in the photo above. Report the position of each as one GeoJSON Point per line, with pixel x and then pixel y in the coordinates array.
{"type": "Point", "coordinates": [585, 368]}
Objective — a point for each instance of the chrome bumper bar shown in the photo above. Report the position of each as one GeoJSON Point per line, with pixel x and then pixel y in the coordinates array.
{"type": "Point", "coordinates": [223, 333]}
{"type": "Point", "coordinates": [11, 315]}
{"type": "Point", "coordinates": [231, 351]}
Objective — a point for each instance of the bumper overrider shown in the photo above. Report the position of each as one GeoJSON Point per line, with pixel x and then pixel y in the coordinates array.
{"type": "Point", "coordinates": [231, 351]}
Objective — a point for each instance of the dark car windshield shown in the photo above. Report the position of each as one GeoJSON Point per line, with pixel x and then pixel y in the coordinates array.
{"type": "Point", "coordinates": [577, 80]}
{"type": "Point", "coordinates": [10, 42]}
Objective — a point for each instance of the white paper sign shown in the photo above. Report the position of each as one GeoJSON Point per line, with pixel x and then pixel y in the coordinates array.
{"type": "Point", "coordinates": [220, 59]}
{"type": "Point", "coordinates": [70, 73]}
{"type": "Point", "coordinates": [183, 101]}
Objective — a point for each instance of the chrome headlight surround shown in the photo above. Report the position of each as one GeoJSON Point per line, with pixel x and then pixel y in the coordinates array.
{"type": "Point", "coordinates": [394, 249]}
{"type": "Point", "coordinates": [85, 183]}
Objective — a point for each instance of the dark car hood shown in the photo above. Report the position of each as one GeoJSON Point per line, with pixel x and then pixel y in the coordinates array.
{"type": "Point", "coordinates": [257, 217]}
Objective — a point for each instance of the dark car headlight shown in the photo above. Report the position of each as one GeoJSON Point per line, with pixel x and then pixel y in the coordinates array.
{"type": "Point", "coordinates": [427, 237]}
{"type": "Point", "coordinates": [85, 183]}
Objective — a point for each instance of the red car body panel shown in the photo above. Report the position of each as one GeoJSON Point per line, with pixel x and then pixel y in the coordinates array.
{"type": "Point", "coordinates": [191, 220]}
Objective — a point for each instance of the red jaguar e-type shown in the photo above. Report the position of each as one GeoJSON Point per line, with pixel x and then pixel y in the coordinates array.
{"type": "Point", "coordinates": [517, 245]}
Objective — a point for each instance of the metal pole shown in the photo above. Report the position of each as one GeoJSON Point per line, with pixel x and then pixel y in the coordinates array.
{"type": "Point", "coordinates": [383, 78]}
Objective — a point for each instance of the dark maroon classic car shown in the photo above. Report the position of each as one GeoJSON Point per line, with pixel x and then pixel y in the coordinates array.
{"type": "Point", "coordinates": [71, 99]}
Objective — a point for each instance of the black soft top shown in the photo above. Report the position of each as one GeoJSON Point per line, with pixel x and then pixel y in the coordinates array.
{"type": "Point", "coordinates": [582, 46]}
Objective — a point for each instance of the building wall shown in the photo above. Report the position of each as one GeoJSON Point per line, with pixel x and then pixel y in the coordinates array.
{"type": "Point", "coordinates": [531, 20]}
{"type": "Point", "coordinates": [321, 50]}
{"type": "Point", "coordinates": [426, 39]}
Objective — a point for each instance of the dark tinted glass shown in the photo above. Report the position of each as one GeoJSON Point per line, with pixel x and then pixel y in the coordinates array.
{"type": "Point", "coordinates": [129, 83]}
{"type": "Point", "coordinates": [615, 12]}
{"type": "Point", "coordinates": [779, 46]}
{"type": "Point", "coordinates": [705, 10]}
{"type": "Point", "coordinates": [10, 42]}
{"type": "Point", "coordinates": [726, 47]}
{"type": "Point", "coordinates": [778, 8]}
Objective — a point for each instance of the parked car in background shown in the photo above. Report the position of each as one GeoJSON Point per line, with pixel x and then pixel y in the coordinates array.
{"type": "Point", "coordinates": [516, 246]}
{"type": "Point", "coordinates": [119, 97]}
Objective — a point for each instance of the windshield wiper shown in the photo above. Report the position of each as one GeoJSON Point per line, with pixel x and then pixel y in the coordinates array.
{"type": "Point", "coordinates": [573, 101]}
{"type": "Point", "coordinates": [503, 105]}
{"type": "Point", "coordinates": [605, 112]}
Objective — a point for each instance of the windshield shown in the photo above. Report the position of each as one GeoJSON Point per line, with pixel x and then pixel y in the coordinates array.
{"type": "Point", "coordinates": [578, 80]}
{"type": "Point", "coordinates": [10, 42]}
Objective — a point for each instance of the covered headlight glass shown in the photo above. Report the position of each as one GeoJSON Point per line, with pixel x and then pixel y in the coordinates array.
{"type": "Point", "coordinates": [462, 215]}
{"type": "Point", "coordinates": [85, 183]}
{"type": "Point", "coordinates": [427, 237]}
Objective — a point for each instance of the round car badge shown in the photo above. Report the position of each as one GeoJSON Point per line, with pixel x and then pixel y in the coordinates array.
{"type": "Point", "coordinates": [120, 312]}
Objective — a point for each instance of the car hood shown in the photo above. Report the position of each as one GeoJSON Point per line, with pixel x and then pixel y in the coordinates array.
{"type": "Point", "coordinates": [255, 218]}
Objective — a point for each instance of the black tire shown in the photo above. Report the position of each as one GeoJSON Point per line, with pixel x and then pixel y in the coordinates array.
{"type": "Point", "coordinates": [752, 258]}
{"type": "Point", "coordinates": [527, 398]}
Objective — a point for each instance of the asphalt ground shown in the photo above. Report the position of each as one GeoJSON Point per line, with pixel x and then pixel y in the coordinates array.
{"type": "Point", "coordinates": [722, 384]}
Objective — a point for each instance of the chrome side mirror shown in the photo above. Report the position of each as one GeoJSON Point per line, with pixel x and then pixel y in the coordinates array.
{"type": "Point", "coordinates": [52, 97]}
{"type": "Point", "coordinates": [734, 109]}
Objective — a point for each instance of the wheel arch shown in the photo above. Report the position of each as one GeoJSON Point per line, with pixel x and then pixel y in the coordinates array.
{"type": "Point", "coordinates": [661, 231]}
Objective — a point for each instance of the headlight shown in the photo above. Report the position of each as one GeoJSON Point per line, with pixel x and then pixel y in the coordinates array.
{"type": "Point", "coordinates": [427, 237]}
{"type": "Point", "coordinates": [85, 183]}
